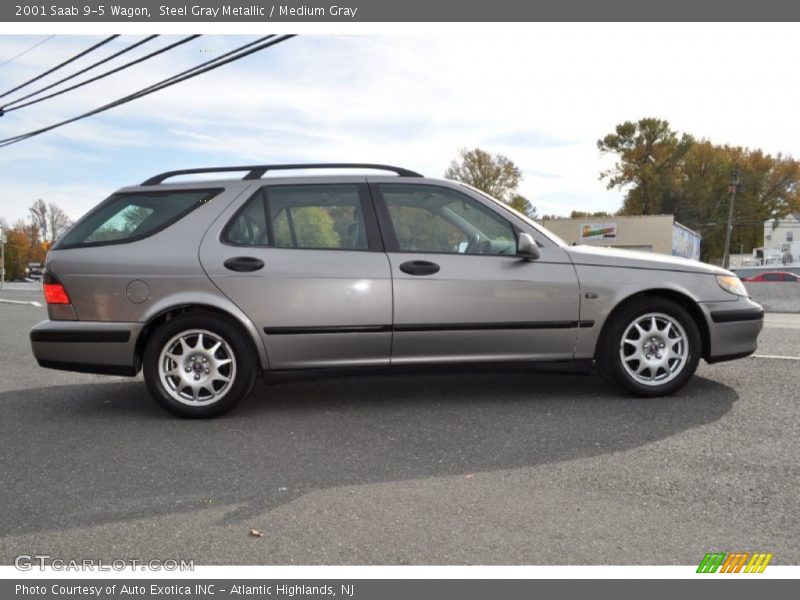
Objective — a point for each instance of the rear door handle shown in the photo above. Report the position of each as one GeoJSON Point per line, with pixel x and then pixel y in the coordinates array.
{"type": "Point", "coordinates": [243, 264]}
{"type": "Point", "coordinates": [419, 267]}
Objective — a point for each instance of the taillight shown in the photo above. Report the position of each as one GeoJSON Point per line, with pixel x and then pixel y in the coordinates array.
{"type": "Point", "coordinates": [54, 292]}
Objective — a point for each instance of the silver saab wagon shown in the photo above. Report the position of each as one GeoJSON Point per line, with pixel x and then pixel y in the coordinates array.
{"type": "Point", "coordinates": [203, 284]}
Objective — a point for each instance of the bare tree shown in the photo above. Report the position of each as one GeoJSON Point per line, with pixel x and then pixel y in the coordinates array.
{"type": "Point", "coordinates": [38, 216]}
{"type": "Point", "coordinates": [57, 220]}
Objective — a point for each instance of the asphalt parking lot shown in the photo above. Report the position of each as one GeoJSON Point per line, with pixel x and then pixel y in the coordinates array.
{"type": "Point", "coordinates": [457, 468]}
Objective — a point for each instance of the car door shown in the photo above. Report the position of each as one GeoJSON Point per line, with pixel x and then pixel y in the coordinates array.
{"type": "Point", "coordinates": [305, 262]}
{"type": "Point", "coordinates": [460, 292]}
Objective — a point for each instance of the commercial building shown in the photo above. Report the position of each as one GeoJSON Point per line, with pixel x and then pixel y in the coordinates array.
{"type": "Point", "coordinates": [651, 233]}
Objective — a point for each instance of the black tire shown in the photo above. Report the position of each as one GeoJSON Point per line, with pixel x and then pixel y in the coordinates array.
{"type": "Point", "coordinates": [242, 374]}
{"type": "Point", "coordinates": [610, 364]}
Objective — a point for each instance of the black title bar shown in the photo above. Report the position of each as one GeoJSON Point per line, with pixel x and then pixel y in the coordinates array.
{"type": "Point", "coordinates": [309, 11]}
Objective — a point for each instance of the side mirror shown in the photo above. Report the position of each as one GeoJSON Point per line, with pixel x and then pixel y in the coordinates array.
{"type": "Point", "coordinates": [527, 247]}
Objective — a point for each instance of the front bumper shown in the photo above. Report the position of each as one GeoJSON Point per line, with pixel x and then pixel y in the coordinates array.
{"type": "Point", "coordinates": [733, 328]}
{"type": "Point", "coordinates": [87, 346]}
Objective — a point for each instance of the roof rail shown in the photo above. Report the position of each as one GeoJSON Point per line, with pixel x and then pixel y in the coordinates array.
{"type": "Point", "coordinates": [257, 171]}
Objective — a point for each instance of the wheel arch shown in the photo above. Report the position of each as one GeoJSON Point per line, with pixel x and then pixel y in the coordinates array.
{"type": "Point", "coordinates": [680, 298]}
{"type": "Point", "coordinates": [165, 314]}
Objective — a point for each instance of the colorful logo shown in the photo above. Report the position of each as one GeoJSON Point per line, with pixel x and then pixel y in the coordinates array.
{"type": "Point", "coordinates": [733, 562]}
{"type": "Point", "coordinates": [599, 231]}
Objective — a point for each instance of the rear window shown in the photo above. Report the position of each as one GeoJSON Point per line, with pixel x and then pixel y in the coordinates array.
{"type": "Point", "coordinates": [127, 217]}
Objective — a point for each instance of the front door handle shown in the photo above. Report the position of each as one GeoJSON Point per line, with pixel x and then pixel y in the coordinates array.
{"type": "Point", "coordinates": [419, 267]}
{"type": "Point", "coordinates": [243, 264]}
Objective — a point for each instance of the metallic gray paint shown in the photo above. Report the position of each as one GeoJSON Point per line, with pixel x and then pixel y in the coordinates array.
{"type": "Point", "coordinates": [483, 289]}
{"type": "Point", "coordinates": [182, 266]}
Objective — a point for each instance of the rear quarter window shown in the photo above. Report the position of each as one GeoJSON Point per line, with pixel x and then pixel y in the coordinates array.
{"type": "Point", "coordinates": [131, 216]}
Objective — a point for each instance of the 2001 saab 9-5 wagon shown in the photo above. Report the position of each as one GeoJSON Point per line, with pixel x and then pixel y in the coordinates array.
{"type": "Point", "coordinates": [203, 285]}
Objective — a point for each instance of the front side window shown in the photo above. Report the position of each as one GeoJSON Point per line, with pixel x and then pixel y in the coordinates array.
{"type": "Point", "coordinates": [127, 217]}
{"type": "Point", "coordinates": [325, 217]}
{"type": "Point", "coordinates": [437, 219]}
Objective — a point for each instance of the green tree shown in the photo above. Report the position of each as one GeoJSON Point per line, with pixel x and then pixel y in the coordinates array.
{"type": "Point", "coordinates": [314, 227]}
{"type": "Point", "coordinates": [649, 156]}
{"type": "Point", "coordinates": [580, 214]}
{"type": "Point", "coordinates": [521, 204]}
{"type": "Point", "coordinates": [664, 172]}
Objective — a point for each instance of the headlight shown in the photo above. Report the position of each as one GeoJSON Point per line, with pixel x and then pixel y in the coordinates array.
{"type": "Point", "coordinates": [732, 284]}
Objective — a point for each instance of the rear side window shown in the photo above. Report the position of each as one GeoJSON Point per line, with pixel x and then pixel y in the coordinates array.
{"type": "Point", "coordinates": [127, 217]}
{"type": "Point", "coordinates": [317, 216]}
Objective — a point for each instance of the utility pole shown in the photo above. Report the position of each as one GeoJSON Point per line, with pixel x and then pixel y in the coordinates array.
{"type": "Point", "coordinates": [733, 187]}
{"type": "Point", "coordinates": [2, 256]}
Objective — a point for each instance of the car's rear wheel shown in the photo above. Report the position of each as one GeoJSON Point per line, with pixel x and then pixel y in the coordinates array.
{"type": "Point", "coordinates": [650, 348]}
{"type": "Point", "coordinates": [198, 365]}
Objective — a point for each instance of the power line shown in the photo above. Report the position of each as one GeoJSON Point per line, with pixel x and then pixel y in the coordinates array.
{"type": "Point", "coordinates": [3, 109]}
{"type": "Point", "coordinates": [81, 72]}
{"type": "Point", "coordinates": [127, 65]}
{"type": "Point", "coordinates": [24, 52]}
{"type": "Point", "coordinates": [187, 74]}
{"type": "Point", "coordinates": [58, 66]}
{"type": "Point", "coordinates": [228, 57]}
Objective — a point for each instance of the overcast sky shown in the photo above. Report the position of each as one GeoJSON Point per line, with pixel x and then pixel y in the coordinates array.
{"type": "Point", "coordinates": [540, 94]}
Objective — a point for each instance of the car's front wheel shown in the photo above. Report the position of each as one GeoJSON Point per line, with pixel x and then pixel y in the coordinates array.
{"type": "Point", "coordinates": [650, 348]}
{"type": "Point", "coordinates": [198, 365]}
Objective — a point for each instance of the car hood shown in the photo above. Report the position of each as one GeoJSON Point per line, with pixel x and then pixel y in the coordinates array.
{"type": "Point", "coordinates": [618, 257]}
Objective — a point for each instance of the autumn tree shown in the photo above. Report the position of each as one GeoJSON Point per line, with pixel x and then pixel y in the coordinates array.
{"type": "Point", "coordinates": [16, 253]}
{"type": "Point", "coordinates": [496, 175]}
{"type": "Point", "coordinates": [23, 245]}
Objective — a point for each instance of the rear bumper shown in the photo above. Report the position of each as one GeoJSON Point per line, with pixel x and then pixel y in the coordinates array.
{"type": "Point", "coordinates": [87, 346]}
{"type": "Point", "coordinates": [733, 328]}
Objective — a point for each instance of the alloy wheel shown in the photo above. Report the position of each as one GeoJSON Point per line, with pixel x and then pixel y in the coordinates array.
{"type": "Point", "coordinates": [654, 349]}
{"type": "Point", "coordinates": [197, 367]}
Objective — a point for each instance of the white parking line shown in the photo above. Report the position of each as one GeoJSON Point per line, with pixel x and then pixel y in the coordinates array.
{"type": "Point", "coordinates": [778, 356]}
{"type": "Point", "coordinates": [22, 302]}
{"type": "Point", "coordinates": [782, 321]}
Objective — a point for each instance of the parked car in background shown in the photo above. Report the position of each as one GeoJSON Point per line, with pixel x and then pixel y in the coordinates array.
{"type": "Point", "coordinates": [204, 284]}
{"type": "Point", "coordinates": [774, 276]}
